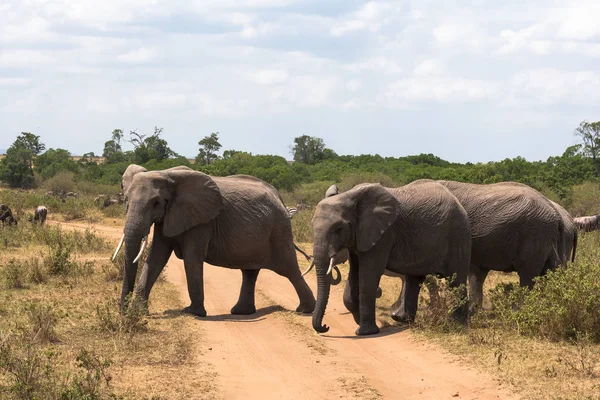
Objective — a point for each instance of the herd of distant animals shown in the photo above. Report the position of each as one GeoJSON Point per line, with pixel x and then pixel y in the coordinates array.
{"type": "Point", "coordinates": [360, 226]}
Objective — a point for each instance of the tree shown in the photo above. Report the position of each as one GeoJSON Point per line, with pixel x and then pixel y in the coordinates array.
{"type": "Point", "coordinates": [113, 151]}
{"type": "Point", "coordinates": [589, 132]}
{"type": "Point", "coordinates": [149, 148]}
{"type": "Point", "coordinates": [309, 149]}
{"type": "Point", "coordinates": [17, 167]}
{"type": "Point", "coordinates": [209, 146]}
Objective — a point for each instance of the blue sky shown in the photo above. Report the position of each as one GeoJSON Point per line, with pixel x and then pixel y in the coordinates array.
{"type": "Point", "coordinates": [465, 80]}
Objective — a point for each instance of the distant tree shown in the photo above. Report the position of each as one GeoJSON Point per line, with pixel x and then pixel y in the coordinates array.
{"type": "Point", "coordinates": [589, 132]}
{"type": "Point", "coordinates": [149, 148]}
{"type": "Point", "coordinates": [17, 167]}
{"type": "Point", "coordinates": [209, 146]}
{"type": "Point", "coordinates": [113, 152]}
{"type": "Point", "coordinates": [227, 154]}
{"type": "Point", "coordinates": [54, 161]}
{"type": "Point", "coordinates": [309, 150]}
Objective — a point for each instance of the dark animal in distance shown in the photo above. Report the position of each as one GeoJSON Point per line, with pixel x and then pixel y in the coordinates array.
{"type": "Point", "coordinates": [40, 214]}
{"type": "Point", "coordinates": [6, 215]}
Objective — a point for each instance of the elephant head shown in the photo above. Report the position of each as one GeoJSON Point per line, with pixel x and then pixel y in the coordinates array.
{"type": "Point", "coordinates": [353, 221]}
{"type": "Point", "coordinates": [175, 200]}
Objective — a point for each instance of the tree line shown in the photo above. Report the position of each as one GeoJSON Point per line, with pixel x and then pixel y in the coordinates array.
{"type": "Point", "coordinates": [28, 163]}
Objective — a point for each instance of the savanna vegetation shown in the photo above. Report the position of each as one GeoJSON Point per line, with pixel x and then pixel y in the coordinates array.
{"type": "Point", "coordinates": [62, 336]}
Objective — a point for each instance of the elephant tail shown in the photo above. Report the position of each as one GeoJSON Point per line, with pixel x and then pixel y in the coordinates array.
{"type": "Point", "coordinates": [575, 235]}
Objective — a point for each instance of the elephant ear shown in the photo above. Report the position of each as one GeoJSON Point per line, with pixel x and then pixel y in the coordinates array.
{"type": "Point", "coordinates": [332, 191]}
{"type": "Point", "coordinates": [377, 210]}
{"type": "Point", "coordinates": [196, 199]}
{"type": "Point", "coordinates": [128, 175]}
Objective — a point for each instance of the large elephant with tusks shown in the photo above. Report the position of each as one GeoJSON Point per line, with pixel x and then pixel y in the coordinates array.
{"type": "Point", "coordinates": [233, 222]}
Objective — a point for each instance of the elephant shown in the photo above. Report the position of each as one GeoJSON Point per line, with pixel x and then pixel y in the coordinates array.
{"type": "Point", "coordinates": [415, 230]}
{"type": "Point", "coordinates": [40, 214]}
{"type": "Point", "coordinates": [588, 223]}
{"type": "Point", "coordinates": [513, 228]}
{"type": "Point", "coordinates": [134, 169]}
{"type": "Point", "coordinates": [332, 191]}
{"type": "Point", "coordinates": [234, 222]}
{"type": "Point", "coordinates": [6, 215]}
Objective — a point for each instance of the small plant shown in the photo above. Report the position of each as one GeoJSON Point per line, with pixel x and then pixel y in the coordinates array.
{"type": "Point", "coordinates": [584, 360]}
{"type": "Point", "coordinates": [58, 261]}
{"type": "Point", "coordinates": [440, 304]}
{"type": "Point", "coordinates": [93, 383]}
{"type": "Point", "coordinates": [13, 274]}
{"type": "Point", "coordinates": [130, 321]}
{"type": "Point", "coordinates": [29, 370]}
{"type": "Point", "coordinates": [36, 271]}
{"type": "Point", "coordinates": [42, 320]}
{"type": "Point", "coordinates": [112, 271]}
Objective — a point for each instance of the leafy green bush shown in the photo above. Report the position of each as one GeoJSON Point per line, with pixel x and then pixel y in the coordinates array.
{"type": "Point", "coordinates": [62, 181]}
{"type": "Point", "coordinates": [563, 304]}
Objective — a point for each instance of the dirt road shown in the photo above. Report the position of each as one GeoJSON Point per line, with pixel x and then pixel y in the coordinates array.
{"type": "Point", "coordinates": [275, 354]}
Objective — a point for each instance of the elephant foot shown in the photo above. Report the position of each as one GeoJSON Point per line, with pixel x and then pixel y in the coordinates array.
{"type": "Point", "coordinates": [243, 309]}
{"type": "Point", "coordinates": [402, 317]}
{"type": "Point", "coordinates": [367, 329]}
{"type": "Point", "coordinates": [197, 311]}
{"type": "Point", "coordinates": [305, 308]}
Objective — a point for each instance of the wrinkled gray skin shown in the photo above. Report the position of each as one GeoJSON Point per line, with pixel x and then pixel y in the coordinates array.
{"type": "Point", "coordinates": [570, 232]}
{"type": "Point", "coordinates": [133, 169]}
{"type": "Point", "coordinates": [234, 222]}
{"type": "Point", "coordinates": [40, 214]}
{"type": "Point", "coordinates": [513, 228]}
{"type": "Point", "coordinates": [415, 230]}
{"type": "Point", "coordinates": [587, 223]}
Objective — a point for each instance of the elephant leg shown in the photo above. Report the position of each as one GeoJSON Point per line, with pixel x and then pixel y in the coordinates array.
{"type": "Point", "coordinates": [194, 272]}
{"type": "Point", "coordinates": [351, 293]}
{"type": "Point", "coordinates": [155, 263]}
{"type": "Point", "coordinates": [477, 277]}
{"type": "Point", "coordinates": [245, 304]}
{"type": "Point", "coordinates": [409, 299]}
{"type": "Point", "coordinates": [368, 282]}
{"type": "Point", "coordinates": [305, 294]}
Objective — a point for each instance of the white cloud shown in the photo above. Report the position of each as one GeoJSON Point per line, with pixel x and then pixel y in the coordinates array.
{"type": "Point", "coordinates": [194, 61]}
{"type": "Point", "coordinates": [270, 76]}
{"type": "Point", "coordinates": [372, 16]}
{"type": "Point", "coordinates": [139, 56]}
{"type": "Point", "coordinates": [429, 67]}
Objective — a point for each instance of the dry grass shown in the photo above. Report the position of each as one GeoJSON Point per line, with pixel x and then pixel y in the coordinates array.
{"type": "Point", "coordinates": [59, 314]}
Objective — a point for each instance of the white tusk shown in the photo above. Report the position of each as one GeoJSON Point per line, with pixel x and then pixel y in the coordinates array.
{"type": "Point", "coordinates": [118, 248]}
{"type": "Point", "coordinates": [330, 266]}
{"type": "Point", "coordinates": [141, 249]}
{"type": "Point", "coordinates": [309, 268]}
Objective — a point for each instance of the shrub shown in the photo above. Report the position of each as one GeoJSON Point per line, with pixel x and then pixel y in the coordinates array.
{"type": "Point", "coordinates": [563, 304]}
{"type": "Point", "coordinates": [42, 320]}
{"type": "Point", "coordinates": [129, 322]}
{"type": "Point", "coordinates": [585, 199]}
{"type": "Point", "coordinates": [13, 275]}
{"type": "Point", "coordinates": [61, 181]}
{"type": "Point", "coordinates": [439, 304]}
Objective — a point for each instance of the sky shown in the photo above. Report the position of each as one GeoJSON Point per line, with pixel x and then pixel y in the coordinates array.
{"type": "Point", "coordinates": [464, 80]}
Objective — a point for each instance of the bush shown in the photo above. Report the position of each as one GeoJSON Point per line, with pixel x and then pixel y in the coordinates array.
{"type": "Point", "coordinates": [62, 181]}
{"type": "Point", "coordinates": [563, 304]}
{"type": "Point", "coordinates": [42, 320]}
{"type": "Point", "coordinates": [439, 304]}
{"type": "Point", "coordinates": [13, 275]}
{"type": "Point", "coordinates": [129, 322]}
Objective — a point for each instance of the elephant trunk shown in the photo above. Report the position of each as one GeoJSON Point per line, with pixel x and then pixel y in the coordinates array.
{"type": "Point", "coordinates": [133, 236]}
{"type": "Point", "coordinates": [323, 286]}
